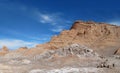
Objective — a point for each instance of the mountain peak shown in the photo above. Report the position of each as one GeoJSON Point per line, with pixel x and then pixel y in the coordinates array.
{"type": "Point", "coordinates": [5, 48]}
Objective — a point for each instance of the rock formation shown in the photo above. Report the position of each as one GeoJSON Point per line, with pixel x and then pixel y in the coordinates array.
{"type": "Point", "coordinates": [21, 49]}
{"type": "Point", "coordinates": [70, 50]}
{"type": "Point", "coordinates": [102, 37]}
{"type": "Point", "coordinates": [117, 52]}
{"type": "Point", "coordinates": [4, 51]}
{"type": "Point", "coordinates": [88, 47]}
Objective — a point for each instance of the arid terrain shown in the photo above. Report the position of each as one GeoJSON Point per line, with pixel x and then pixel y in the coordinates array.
{"type": "Point", "coordinates": [87, 47]}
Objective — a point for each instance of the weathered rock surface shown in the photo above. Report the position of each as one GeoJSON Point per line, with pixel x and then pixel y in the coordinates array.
{"type": "Point", "coordinates": [85, 48]}
{"type": "Point", "coordinates": [71, 50]}
{"type": "Point", "coordinates": [103, 38]}
{"type": "Point", "coordinates": [4, 51]}
{"type": "Point", "coordinates": [117, 52]}
{"type": "Point", "coordinates": [21, 49]}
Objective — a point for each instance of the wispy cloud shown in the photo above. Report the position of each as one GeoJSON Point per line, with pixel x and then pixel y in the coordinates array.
{"type": "Point", "coordinates": [49, 18]}
{"type": "Point", "coordinates": [41, 39]}
{"type": "Point", "coordinates": [16, 43]}
{"type": "Point", "coordinates": [115, 22]}
{"type": "Point", "coordinates": [44, 18]}
{"type": "Point", "coordinates": [57, 20]}
{"type": "Point", "coordinates": [58, 29]}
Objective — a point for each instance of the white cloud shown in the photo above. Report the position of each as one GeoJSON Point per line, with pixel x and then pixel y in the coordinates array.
{"type": "Point", "coordinates": [41, 39]}
{"type": "Point", "coordinates": [15, 43]}
{"type": "Point", "coordinates": [48, 18]}
{"type": "Point", "coordinates": [115, 22]}
{"type": "Point", "coordinates": [58, 29]}
{"type": "Point", "coordinates": [45, 19]}
{"type": "Point", "coordinates": [55, 20]}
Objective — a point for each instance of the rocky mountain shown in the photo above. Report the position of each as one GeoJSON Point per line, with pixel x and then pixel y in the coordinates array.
{"type": "Point", "coordinates": [87, 47]}
{"type": "Point", "coordinates": [102, 37]}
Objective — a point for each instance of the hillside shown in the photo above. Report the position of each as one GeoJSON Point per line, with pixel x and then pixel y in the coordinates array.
{"type": "Point", "coordinates": [87, 47]}
{"type": "Point", "coordinates": [102, 37]}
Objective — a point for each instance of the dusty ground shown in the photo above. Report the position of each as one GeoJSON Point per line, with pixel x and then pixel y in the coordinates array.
{"type": "Point", "coordinates": [60, 66]}
{"type": "Point", "coordinates": [71, 59]}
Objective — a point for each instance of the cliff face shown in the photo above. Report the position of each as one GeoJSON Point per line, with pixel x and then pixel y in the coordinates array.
{"type": "Point", "coordinates": [82, 49]}
{"type": "Point", "coordinates": [99, 36]}
{"type": "Point", "coordinates": [4, 51]}
{"type": "Point", "coordinates": [117, 52]}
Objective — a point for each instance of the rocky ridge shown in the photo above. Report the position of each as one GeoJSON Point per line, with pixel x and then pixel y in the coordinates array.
{"type": "Point", "coordinates": [4, 51]}
{"type": "Point", "coordinates": [88, 47]}
{"type": "Point", "coordinates": [102, 37]}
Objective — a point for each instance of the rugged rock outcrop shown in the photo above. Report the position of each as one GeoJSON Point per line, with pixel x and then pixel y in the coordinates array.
{"type": "Point", "coordinates": [82, 49]}
{"type": "Point", "coordinates": [22, 49]}
{"type": "Point", "coordinates": [117, 52]}
{"type": "Point", "coordinates": [4, 51]}
{"type": "Point", "coordinates": [70, 50]}
{"type": "Point", "coordinates": [102, 37]}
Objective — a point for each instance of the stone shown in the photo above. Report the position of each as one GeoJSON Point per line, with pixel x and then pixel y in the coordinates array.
{"type": "Point", "coordinates": [101, 37]}
{"type": "Point", "coordinates": [117, 52]}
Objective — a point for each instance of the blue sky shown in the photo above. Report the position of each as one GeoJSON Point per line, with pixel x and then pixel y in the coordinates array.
{"type": "Point", "coordinates": [30, 22]}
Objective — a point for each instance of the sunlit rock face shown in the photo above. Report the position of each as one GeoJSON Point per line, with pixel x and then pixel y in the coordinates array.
{"type": "Point", "coordinates": [101, 37]}
{"type": "Point", "coordinates": [117, 52]}
{"type": "Point", "coordinates": [4, 50]}
{"type": "Point", "coordinates": [88, 47]}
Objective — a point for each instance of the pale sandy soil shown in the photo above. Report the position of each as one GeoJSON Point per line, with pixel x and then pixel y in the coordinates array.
{"type": "Point", "coordinates": [72, 59]}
